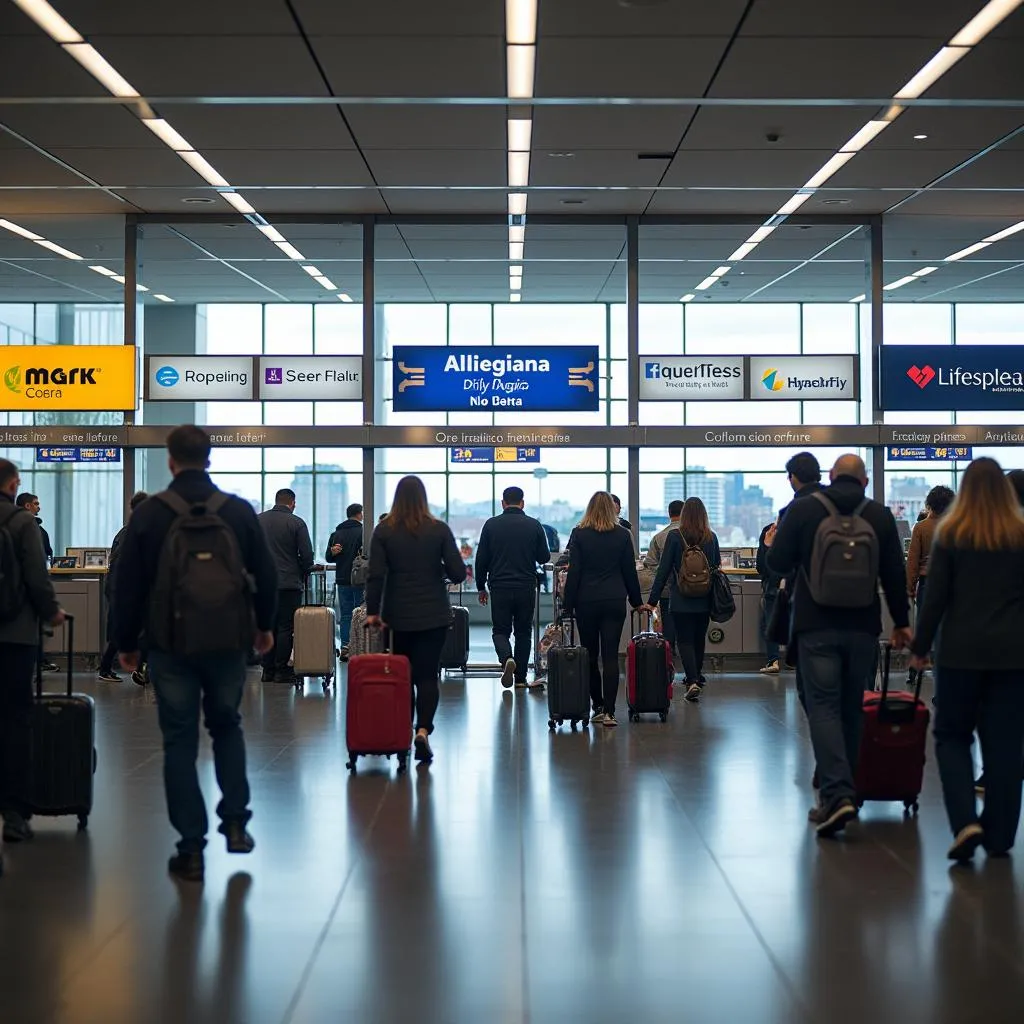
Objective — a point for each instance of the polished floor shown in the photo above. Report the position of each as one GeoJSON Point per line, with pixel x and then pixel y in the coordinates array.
{"type": "Point", "coordinates": [649, 873]}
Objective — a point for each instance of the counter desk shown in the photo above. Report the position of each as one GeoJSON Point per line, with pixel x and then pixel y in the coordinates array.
{"type": "Point", "coordinates": [80, 592]}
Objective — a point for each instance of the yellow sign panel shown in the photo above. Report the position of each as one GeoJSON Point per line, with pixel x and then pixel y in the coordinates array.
{"type": "Point", "coordinates": [68, 378]}
{"type": "Point", "coordinates": [506, 455]}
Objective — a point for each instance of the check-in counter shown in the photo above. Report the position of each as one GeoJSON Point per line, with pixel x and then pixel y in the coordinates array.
{"type": "Point", "coordinates": [80, 592]}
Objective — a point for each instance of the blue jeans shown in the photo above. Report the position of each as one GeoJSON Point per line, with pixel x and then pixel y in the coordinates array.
{"type": "Point", "coordinates": [182, 685]}
{"type": "Point", "coordinates": [349, 598]}
{"type": "Point", "coordinates": [836, 667]}
{"type": "Point", "coordinates": [992, 703]}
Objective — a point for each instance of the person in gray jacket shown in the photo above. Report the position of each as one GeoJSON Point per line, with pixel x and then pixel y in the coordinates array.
{"type": "Point", "coordinates": [27, 601]}
{"type": "Point", "coordinates": [412, 556]}
{"type": "Point", "coordinates": [652, 560]}
{"type": "Point", "coordinates": [288, 539]}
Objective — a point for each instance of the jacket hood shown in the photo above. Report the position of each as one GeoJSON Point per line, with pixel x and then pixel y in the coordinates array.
{"type": "Point", "coordinates": [846, 493]}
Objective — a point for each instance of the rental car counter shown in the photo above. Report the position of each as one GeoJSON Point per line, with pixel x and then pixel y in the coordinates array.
{"type": "Point", "coordinates": [80, 592]}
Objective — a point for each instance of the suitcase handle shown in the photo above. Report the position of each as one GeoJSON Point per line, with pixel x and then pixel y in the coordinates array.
{"type": "Point", "coordinates": [637, 614]}
{"type": "Point", "coordinates": [572, 627]}
{"type": "Point", "coordinates": [69, 632]}
{"type": "Point", "coordinates": [386, 635]}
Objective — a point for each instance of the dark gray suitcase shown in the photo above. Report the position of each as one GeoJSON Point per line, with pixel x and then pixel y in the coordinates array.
{"type": "Point", "coordinates": [455, 653]}
{"type": "Point", "coordinates": [63, 747]}
{"type": "Point", "coordinates": [568, 684]}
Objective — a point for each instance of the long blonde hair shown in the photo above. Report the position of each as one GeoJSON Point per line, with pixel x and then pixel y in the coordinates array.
{"type": "Point", "coordinates": [600, 514]}
{"type": "Point", "coordinates": [986, 514]}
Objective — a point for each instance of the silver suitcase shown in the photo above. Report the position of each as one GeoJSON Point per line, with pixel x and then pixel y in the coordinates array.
{"type": "Point", "coordinates": [314, 651]}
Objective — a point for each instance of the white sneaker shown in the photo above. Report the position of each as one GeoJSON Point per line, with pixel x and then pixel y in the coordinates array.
{"type": "Point", "coordinates": [608, 721]}
{"type": "Point", "coordinates": [771, 669]}
{"type": "Point", "coordinates": [598, 718]}
{"type": "Point", "coordinates": [508, 673]}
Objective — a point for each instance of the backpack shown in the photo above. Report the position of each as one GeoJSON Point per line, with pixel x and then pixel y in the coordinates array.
{"type": "Point", "coordinates": [202, 600]}
{"type": "Point", "coordinates": [694, 578]}
{"type": "Point", "coordinates": [554, 542]}
{"type": "Point", "coordinates": [12, 581]}
{"type": "Point", "coordinates": [360, 570]}
{"type": "Point", "coordinates": [843, 571]}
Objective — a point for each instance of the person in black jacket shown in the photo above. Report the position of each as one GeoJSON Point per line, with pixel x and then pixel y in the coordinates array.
{"type": "Point", "coordinates": [770, 582]}
{"type": "Point", "coordinates": [345, 544]}
{"type": "Point", "coordinates": [185, 684]}
{"type": "Point", "coordinates": [602, 576]}
{"type": "Point", "coordinates": [975, 593]}
{"type": "Point", "coordinates": [30, 503]}
{"type": "Point", "coordinates": [511, 548]}
{"type": "Point", "coordinates": [691, 615]}
{"type": "Point", "coordinates": [412, 555]}
{"type": "Point", "coordinates": [838, 647]}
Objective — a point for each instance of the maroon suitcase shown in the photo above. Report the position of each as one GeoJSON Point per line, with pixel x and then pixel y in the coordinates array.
{"type": "Point", "coordinates": [378, 713]}
{"type": "Point", "coordinates": [891, 764]}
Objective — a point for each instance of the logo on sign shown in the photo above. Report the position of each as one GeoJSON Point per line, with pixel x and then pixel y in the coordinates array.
{"type": "Point", "coordinates": [167, 376]}
{"type": "Point", "coordinates": [412, 377]}
{"type": "Point", "coordinates": [771, 380]}
{"type": "Point", "coordinates": [922, 376]}
{"type": "Point", "coordinates": [273, 375]}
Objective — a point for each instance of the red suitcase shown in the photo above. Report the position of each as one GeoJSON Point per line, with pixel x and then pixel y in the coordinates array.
{"type": "Point", "coordinates": [378, 713]}
{"type": "Point", "coordinates": [649, 672]}
{"type": "Point", "coordinates": [891, 764]}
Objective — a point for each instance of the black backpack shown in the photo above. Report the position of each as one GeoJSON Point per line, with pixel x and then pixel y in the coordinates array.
{"type": "Point", "coordinates": [12, 581]}
{"type": "Point", "coordinates": [843, 571]}
{"type": "Point", "coordinates": [202, 601]}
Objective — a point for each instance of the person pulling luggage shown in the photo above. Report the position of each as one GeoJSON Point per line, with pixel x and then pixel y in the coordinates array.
{"type": "Point", "coordinates": [655, 553]}
{"type": "Point", "coordinates": [511, 548]}
{"type": "Point", "coordinates": [344, 547]}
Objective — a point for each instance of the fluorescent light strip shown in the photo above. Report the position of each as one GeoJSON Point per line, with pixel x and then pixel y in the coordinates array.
{"type": "Point", "coordinates": [521, 21]}
{"type": "Point", "coordinates": [204, 168]}
{"type": "Point", "coordinates": [271, 232]}
{"type": "Point", "coordinates": [312, 271]}
{"type": "Point", "coordinates": [515, 271]}
{"type": "Point", "coordinates": [344, 296]}
{"type": "Point", "coordinates": [517, 204]}
{"type": "Point", "coordinates": [743, 251]}
{"type": "Point", "coordinates": [517, 233]}
{"type": "Point", "coordinates": [289, 250]}
{"type": "Point", "coordinates": [167, 134]}
{"type": "Point", "coordinates": [17, 229]}
{"type": "Point", "coordinates": [977, 247]}
{"type": "Point", "coordinates": [689, 297]}
{"type": "Point", "coordinates": [49, 21]}
{"type": "Point", "coordinates": [520, 63]}
{"type": "Point", "coordinates": [520, 131]}
{"type": "Point", "coordinates": [106, 74]}
{"type": "Point", "coordinates": [515, 297]}
{"type": "Point", "coordinates": [828, 169]}
{"type": "Point", "coordinates": [1005, 233]}
{"type": "Point", "coordinates": [141, 288]}
{"type": "Point", "coordinates": [515, 252]}
{"type": "Point", "coordinates": [857, 298]}
{"type": "Point", "coordinates": [706, 283]}
{"type": "Point", "coordinates": [518, 170]}
{"type": "Point", "coordinates": [162, 297]}
{"type": "Point", "coordinates": [238, 202]}
{"type": "Point", "coordinates": [58, 249]}
{"type": "Point", "coordinates": [721, 272]}
{"type": "Point", "coordinates": [943, 60]}
{"type": "Point", "coordinates": [870, 130]}
{"type": "Point", "coordinates": [981, 24]}
{"type": "Point", "coordinates": [761, 233]}
{"type": "Point", "coordinates": [515, 284]}
{"type": "Point", "coordinates": [104, 271]}
{"type": "Point", "coordinates": [924, 271]}
{"type": "Point", "coordinates": [793, 204]}
{"type": "Point", "coordinates": [326, 282]}
{"type": "Point", "coordinates": [898, 284]}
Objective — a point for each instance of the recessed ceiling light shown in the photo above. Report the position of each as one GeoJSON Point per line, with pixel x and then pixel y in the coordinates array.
{"type": "Point", "coordinates": [835, 202]}
{"type": "Point", "coordinates": [921, 137]}
{"type": "Point", "coordinates": [197, 200]}
{"type": "Point", "coordinates": [560, 154]}
{"type": "Point", "coordinates": [572, 202]}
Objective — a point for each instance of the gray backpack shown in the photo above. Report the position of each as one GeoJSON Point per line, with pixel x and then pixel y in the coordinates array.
{"type": "Point", "coordinates": [843, 572]}
{"type": "Point", "coordinates": [360, 570]}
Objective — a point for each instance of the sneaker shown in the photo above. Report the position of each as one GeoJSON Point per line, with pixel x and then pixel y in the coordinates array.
{"type": "Point", "coordinates": [967, 841]}
{"type": "Point", "coordinates": [50, 666]}
{"type": "Point", "coordinates": [597, 718]}
{"type": "Point", "coordinates": [508, 674]}
{"type": "Point", "coordinates": [16, 828]}
{"type": "Point", "coordinates": [608, 721]}
{"type": "Point", "coordinates": [422, 750]}
{"type": "Point", "coordinates": [771, 669]}
{"type": "Point", "coordinates": [140, 677]}
{"type": "Point", "coordinates": [692, 693]}
{"type": "Point", "coordinates": [343, 654]}
{"type": "Point", "coordinates": [189, 867]}
{"type": "Point", "coordinates": [110, 676]}
{"type": "Point", "coordinates": [238, 838]}
{"type": "Point", "coordinates": [702, 680]}
{"type": "Point", "coordinates": [830, 822]}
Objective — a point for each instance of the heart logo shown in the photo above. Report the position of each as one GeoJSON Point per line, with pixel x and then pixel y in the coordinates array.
{"type": "Point", "coordinates": [922, 376]}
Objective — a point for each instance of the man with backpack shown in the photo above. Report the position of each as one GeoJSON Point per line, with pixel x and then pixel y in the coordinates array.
{"type": "Point", "coordinates": [345, 550]}
{"type": "Point", "coordinates": [27, 599]}
{"type": "Point", "coordinates": [840, 544]}
{"type": "Point", "coordinates": [196, 576]}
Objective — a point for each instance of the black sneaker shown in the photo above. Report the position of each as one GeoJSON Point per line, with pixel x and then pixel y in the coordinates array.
{"type": "Point", "coordinates": [109, 676]}
{"type": "Point", "coordinates": [422, 751]}
{"type": "Point", "coordinates": [50, 666]}
{"type": "Point", "coordinates": [239, 840]}
{"type": "Point", "coordinates": [140, 677]}
{"type": "Point", "coordinates": [508, 674]}
{"type": "Point", "coordinates": [189, 867]}
{"type": "Point", "coordinates": [967, 841]}
{"type": "Point", "coordinates": [16, 828]}
{"type": "Point", "coordinates": [830, 822]}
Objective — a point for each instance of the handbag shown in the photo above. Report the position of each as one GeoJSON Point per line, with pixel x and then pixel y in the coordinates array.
{"type": "Point", "coordinates": [778, 625]}
{"type": "Point", "coordinates": [723, 604]}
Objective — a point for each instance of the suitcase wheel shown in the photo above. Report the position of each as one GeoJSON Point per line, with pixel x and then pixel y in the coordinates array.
{"type": "Point", "coordinates": [584, 722]}
{"type": "Point", "coordinates": [352, 758]}
{"type": "Point", "coordinates": [551, 724]}
{"type": "Point", "coordinates": [403, 763]}
{"type": "Point", "coordinates": [663, 715]}
{"type": "Point", "coordinates": [910, 807]}
{"type": "Point", "coordinates": [572, 725]}
{"type": "Point", "coordinates": [83, 822]}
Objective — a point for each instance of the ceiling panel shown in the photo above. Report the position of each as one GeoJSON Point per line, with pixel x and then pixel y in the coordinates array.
{"type": "Point", "coordinates": [25, 202]}
{"type": "Point", "coordinates": [428, 127]}
{"type": "Point", "coordinates": [24, 166]}
{"type": "Point", "coordinates": [780, 18]}
{"type": "Point", "coordinates": [613, 167]}
{"type": "Point", "coordinates": [640, 129]}
{"type": "Point", "coordinates": [777, 168]}
{"type": "Point", "coordinates": [592, 201]}
{"type": "Point", "coordinates": [952, 202]}
{"type": "Point", "coordinates": [678, 18]}
{"type": "Point", "coordinates": [260, 128]}
{"type": "Point", "coordinates": [1002, 168]}
{"type": "Point", "coordinates": [794, 128]}
{"type": "Point", "coordinates": [950, 128]}
{"type": "Point", "coordinates": [132, 167]}
{"type": "Point", "coordinates": [438, 167]}
{"type": "Point", "coordinates": [910, 168]}
{"type": "Point", "coordinates": [403, 17]}
{"type": "Point", "coordinates": [35, 66]}
{"type": "Point", "coordinates": [54, 127]}
{"type": "Point", "coordinates": [290, 167]}
{"type": "Point", "coordinates": [183, 17]}
{"type": "Point", "coordinates": [992, 70]}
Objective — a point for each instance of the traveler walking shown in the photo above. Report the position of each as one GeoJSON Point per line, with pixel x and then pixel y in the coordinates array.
{"type": "Point", "coordinates": [106, 668]}
{"type": "Point", "coordinates": [288, 539]}
{"type": "Point", "coordinates": [691, 556]}
{"type": "Point", "coordinates": [412, 554]}
{"type": "Point", "coordinates": [972, 611]}
{"type": "Point", "coordinates": [602, 576]}
{"type": "Point", "coordinates": [512, 547]}
{"type": "Point", "coordinates": [655, 553]}
{"type": "Point", "coordinates": [27, 600]}
{"type": "Point", "coordinates": [30, 503]}
{"type": "Point", "coordinates": [345, 545]}
{"type": "Point", "coordinates": [770, 584]}
{"type": "Point", "coordinates": [624, 523]}
{"type": "Point", "coordinates": [196, 574]}
{"type": "Point", "coordinates": [840, 544]}
{"type": "Point", "coordinates": [939, 499]}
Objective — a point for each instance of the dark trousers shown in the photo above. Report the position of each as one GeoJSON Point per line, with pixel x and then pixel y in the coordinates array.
{"type": "Point", "coordinates": [993, 704]}
{"type": "Point", "coordinates": [17, 664]}
{"type": "Point", "coordinates": [836, 667]}
{"type": "Point", "coordinates": [771, 647]}
{"type": "Point", "coordinates": [691, 635]}
{"type": "Point", "coordinates": [423, 649]}
{"type": "Point", "coordinates": [276, 659]}
{"type": "Point", "coordinates": [183, 686]}
{"type": "Point", "coordinates": [600, 626]}
{"type": "Point", "coordinates": [668, 624]}
{"type": "Point", "coordinates": [512, 611]}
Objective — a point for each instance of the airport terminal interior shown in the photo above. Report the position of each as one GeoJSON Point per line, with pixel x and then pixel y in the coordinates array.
{"type": "Point", "coordinates": [650, 247]}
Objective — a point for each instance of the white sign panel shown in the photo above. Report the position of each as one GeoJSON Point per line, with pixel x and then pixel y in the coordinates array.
{"type": "Point", "coordinates": [199, 378]}
{"type": "Point", "coordinates": [691, 378]}
{"type": "Point", "coordinates": [803, 378]}
{"type": "Point", "coordinates": [310, 378]}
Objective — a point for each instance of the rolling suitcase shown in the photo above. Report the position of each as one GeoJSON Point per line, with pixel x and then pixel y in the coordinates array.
{"type": "Point", "coordinates": [378, 712]}
{"type": "Point", "coordinates": [568, 683]}
{"type": "Point", "coordinates": [63, 747]}
{"type": "Point", "coordinates": [313, 646]}
{"type": "Point", "coordinates": [891, 763]}
{"type": "Point", "coordinates": [362, 640]}
{"type": "Point", "coordinates": [455, 653]}
{"type": "Point", "coordinates": [649, 672]}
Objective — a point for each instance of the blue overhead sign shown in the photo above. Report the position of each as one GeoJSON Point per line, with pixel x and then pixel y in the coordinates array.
{"type": "Point", "coordinates": [938, 378]}
{"type": "Point", "coordinates": [469, 456]}
{"type": "Point", "coordinates": [65, 454]}
{"type": "Point", "coordinates": [928, 453]}
{"type": "Point", "coordinates": [520, 378]}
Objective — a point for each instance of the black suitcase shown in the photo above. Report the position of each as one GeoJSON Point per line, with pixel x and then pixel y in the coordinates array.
{"type": "Point", "coordinates": [568, 684]}
{"type": "Point", "coordinates": [455, 653]}
{"type": "Point", "coordinates": [63, 748]}
{"type": "Point", "coordinates": [649, 672]}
